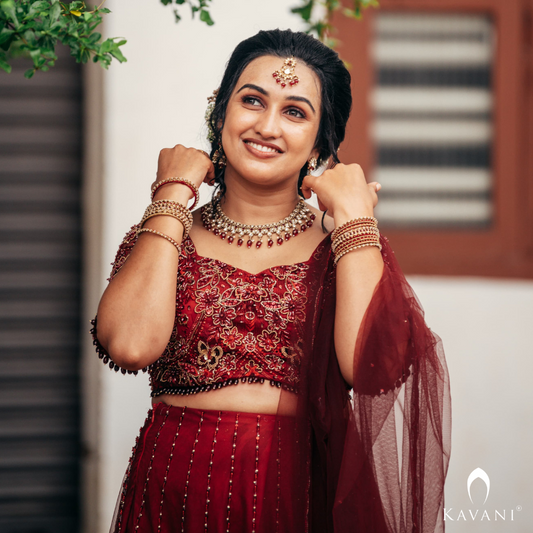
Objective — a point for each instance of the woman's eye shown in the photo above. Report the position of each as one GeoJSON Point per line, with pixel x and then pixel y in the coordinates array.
{"type": "Point", "coordinates": [252, 100]}
{"type": "Point", "coordinates": [295, 112]}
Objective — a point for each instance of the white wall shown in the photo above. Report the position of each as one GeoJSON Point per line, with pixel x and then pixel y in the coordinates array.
{"type": "Point", "coordinates": [158, 99]}
{"type": "Point", "coordinates": [487, 330]}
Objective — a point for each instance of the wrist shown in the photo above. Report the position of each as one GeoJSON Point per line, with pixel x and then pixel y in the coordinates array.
{"type": "Point", "coordinates": [177, 192]}
{"type": "Point", "coordinates": [343, 215]}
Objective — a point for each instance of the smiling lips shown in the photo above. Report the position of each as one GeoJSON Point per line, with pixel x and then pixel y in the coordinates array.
{"type": "Point", "coordinates": [263, 148]}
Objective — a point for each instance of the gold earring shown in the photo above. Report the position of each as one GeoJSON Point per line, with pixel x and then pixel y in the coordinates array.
{"type": "Point", "coordinates": [312, 165]}
{"type": "Point", "coordinates": [219, 157]}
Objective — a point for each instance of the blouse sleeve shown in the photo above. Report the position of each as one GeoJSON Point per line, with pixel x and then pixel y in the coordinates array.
{"type": "Point", "coordinates": [123, 252]}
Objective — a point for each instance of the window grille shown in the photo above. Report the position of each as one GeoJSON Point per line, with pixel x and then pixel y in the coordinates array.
{"type": "Point", "coordinates": [432, 119]}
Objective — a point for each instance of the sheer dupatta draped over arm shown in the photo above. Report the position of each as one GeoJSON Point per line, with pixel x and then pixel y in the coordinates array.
{"type": "Point", "coordinates": [377, 455]}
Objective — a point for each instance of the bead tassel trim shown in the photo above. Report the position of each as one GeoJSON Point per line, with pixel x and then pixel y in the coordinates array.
{"type": "Point", "coordinates": [185, 391]}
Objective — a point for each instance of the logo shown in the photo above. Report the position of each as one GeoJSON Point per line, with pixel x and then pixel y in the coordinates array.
{"type": "Point", "coordinates": [478, 473]}
{"type": "Point", "coordinates": [486, 515]}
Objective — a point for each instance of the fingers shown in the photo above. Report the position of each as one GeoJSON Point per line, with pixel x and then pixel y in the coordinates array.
{"type": "Point", "coordinates": [210, 176]}
{"type": "Point", "coordinates": [307, 186]}
{"type": "Point", "coordinates": [374, 187]}
{"type": "Point", "coordinates": [189, 163]}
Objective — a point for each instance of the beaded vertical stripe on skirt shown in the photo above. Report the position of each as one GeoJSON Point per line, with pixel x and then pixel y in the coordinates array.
{"type": "Point", "coordinates": [196, 471]}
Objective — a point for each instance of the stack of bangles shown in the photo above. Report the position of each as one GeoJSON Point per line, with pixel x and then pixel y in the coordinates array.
{"type": "Point", "coordinates": [354, 234]}
{"type": "Point", "coordinates": [170, 208]}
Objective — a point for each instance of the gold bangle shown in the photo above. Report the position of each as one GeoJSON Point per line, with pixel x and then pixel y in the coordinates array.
{"type": "Point", "coordinates": [351, 224]}
{"type": "Point", "coordinates": [338, 257]}
{"type": "Point", "coordinates": [354, 245]}
{"type": "Point", "coordinates": [183, 181]}
{"type": "Point", "coordinates": [169, 208]}
{"type": "Point", "coordinates": [154, 232]}
{"type": "Point", "coordinates": [350, 234]}
{"type": "Point", "coordinates": [356, 238]}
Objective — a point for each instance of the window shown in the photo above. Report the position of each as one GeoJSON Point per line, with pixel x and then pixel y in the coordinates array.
{"type": "Point", "coordinates": [441, 119]}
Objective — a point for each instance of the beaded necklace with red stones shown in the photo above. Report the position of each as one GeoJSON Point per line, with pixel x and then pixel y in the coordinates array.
{"type": "Point", "coordinates": [216, 221]}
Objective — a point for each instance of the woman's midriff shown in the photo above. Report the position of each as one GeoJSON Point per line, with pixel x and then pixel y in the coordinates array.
{"type": "Point", "coordinates": [245, 397]}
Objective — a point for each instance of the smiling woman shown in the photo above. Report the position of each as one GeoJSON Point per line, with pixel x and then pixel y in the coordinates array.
{"type": "Point", "coordinates": [275, 362]}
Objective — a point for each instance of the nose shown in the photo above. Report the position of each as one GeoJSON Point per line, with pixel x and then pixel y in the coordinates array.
{"type": "Point", "coordinates": [268, 124]}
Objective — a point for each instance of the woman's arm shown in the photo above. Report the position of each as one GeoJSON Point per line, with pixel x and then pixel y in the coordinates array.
{"type": "Point", "coordinates": [343, 191]}
{"type": "Point", "coordinates": [137, 310]}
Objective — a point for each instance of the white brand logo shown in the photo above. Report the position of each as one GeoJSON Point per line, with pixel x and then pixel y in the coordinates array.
{"type": "Point", "coordinates": [478, 473]}
{"type": "Point", "coordinates": [474, 514]}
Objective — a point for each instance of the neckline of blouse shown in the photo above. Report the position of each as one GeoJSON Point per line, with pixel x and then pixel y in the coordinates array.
{"type": "Point", "coordinates": [264, 271]}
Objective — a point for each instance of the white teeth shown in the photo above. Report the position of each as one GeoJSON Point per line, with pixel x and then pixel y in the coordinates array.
{"type": "Point", "coordinates": [261, 148]}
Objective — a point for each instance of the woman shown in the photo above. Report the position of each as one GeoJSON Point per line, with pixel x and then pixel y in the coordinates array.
{"type": "Point", "coordinates": [295, 384]}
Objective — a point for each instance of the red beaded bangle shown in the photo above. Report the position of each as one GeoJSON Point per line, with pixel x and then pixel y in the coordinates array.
{"type": "Point", "coordinates": [183, 181]}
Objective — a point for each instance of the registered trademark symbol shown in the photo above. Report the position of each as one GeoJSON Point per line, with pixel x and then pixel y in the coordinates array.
{"type": "Point", "coordinates": [518, 507]}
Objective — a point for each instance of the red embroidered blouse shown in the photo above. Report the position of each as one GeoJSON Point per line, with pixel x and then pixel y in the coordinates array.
{"type": "Point", "coordinates": [230, 325]}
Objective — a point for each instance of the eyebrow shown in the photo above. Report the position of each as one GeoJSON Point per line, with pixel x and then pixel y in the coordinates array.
{"type": "Point", "coordinates": [265, 93]}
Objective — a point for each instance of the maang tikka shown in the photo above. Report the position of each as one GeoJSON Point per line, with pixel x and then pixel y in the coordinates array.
{"type": "Point", "coordinates": [286, 73]}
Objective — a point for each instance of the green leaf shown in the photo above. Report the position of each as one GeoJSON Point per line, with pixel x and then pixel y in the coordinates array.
{"type": "Point", "coordinates": [350, 13]}
{"type": "Point", "coordinates": [55, 12]}
{"type": "Point", "coordinates": [177, 17]}
{"type": "Point", "coordinates": [35, 54]}
{"type": "Point", "coordinates": [95, 37]}
{"type": "Point", "coordinates": [166, 2]}
{"type": "Point", "coordinates": [9, 8]}
{"type": "Point", "coordinates": [206, 17]}
{"type": "Point", "coordinates": [5, 35]}
{"type": "Point", "coordinates": [4, 65]}
{"type": "Point", "coordinates": [180, 2]}
{"type": "Point", "coordinates": [304, 11]}
{"type": "Point", "coordinates": [117, 54]}
{"type": "Point", "coordinates": [29, 73]}
{"type": "Point", "coordinates": [106, 46]}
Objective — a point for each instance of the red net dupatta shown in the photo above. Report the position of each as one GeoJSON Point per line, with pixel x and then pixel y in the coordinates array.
{"type": "Point", "coordinates": [374, 459]}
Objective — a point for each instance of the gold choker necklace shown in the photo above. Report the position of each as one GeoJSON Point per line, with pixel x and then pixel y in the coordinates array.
{"type": "Point", "coordinates": [216, 221]}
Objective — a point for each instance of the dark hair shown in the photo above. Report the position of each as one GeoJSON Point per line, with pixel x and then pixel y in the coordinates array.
{"type": "Point", "coordinates": [336, 97]}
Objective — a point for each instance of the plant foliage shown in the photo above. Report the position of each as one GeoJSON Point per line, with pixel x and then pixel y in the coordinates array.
{"type": "Point", "coordinates": [196, 6]}
{"type": "Point", "coordinates": [320, 26]}
{"type": "Point", "coordinates": [33, 27]}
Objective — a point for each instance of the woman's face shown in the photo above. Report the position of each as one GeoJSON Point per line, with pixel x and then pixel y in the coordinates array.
{"type": "Point", "coordinates": [270, 131]}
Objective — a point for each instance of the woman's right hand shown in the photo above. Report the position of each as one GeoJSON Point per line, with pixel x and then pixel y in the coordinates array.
{"type": "Point", "coordinates": [188, 163]}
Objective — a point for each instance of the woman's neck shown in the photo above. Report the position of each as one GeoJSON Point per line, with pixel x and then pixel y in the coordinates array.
{"type": "Point", "coordinates": [249, 203]}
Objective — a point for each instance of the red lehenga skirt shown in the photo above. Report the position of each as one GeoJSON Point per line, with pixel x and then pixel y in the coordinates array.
{"type": "Point", "coordinates": [212, 471]}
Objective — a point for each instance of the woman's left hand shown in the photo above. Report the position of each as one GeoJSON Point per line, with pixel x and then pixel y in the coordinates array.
{"type": "Point", "coordinates": [343, 192]}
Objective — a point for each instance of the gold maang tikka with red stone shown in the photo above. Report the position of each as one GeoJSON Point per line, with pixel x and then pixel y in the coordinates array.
{"type": "Point", "coordinates": [285, 75]}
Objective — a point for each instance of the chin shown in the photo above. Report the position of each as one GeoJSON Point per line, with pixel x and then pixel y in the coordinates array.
{"type": "Point", "coordinates": [264, 174]}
